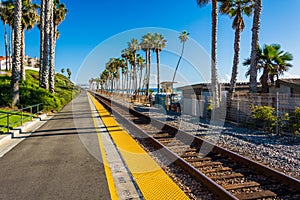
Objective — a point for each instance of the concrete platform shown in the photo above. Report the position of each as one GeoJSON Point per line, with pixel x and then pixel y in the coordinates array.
{"type": "Point", "coordinates": [53, 162]}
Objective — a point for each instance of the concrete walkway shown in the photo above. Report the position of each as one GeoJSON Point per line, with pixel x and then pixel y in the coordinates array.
{"type": "Point", "coordinates": [60, 160]}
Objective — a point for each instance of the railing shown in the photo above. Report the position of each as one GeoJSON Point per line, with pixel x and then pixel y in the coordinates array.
{"type": "Point", "coordinates": [25, 113]}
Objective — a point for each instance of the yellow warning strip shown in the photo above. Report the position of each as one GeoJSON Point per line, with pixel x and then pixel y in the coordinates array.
{"type": "Point", "coordinates": [109, 176]}
{"type": "Point", "coordinates": [152, 181]}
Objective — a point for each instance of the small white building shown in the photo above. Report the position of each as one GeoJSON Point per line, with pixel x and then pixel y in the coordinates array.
{"type": "Point", "coordinates": [3, 62]}
{"type": "Point", "coordinates": [30, 63]}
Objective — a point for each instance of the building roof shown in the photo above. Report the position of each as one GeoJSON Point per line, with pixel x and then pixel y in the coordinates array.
{"type": "Point", "coordinates": [291, 82]}
{"type": "Point", "coordinates": [206, 86]}
{"type": "Point", "coordinates": [2, 58]}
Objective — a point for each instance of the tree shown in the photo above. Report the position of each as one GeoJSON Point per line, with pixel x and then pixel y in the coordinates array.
{"type": "Point", "coordinates": [159, 44]}
{"type": "Point", "coordinates": [111, 68]}
{"type": "Point", "coordinates": [141, 65]}
{"type": "Point", "coordinates": [236, 9]}
{"type": "Point", "coordinates": [119, 64]}
{"type": "Point", "coordinates": [147, 46]}
{"type": "Point", "coordinates": [184, 36]}
{"type": "Point", "coordinates": [254, 45]}
{"type": "Point", "coordinates": [69, 73]}
{"type": "Point", "coordinates": [133, 47]}
{"type": "Point", "coordinates": [17, 51]}
{"type": "Point", "coordinates": [6, 15]}
{"type": "Point", "coordinates": [62, 70]}
{"type": "Point", "coordinates": [126, 56]}
{"type": "Point", "coordinates": [46, 32]}
{"type": "Point", "coordinates": [41, 26]}
{"type": "Point", "coordinates": [273, 61]}
{"type": "Point", "coordinates": [214, 78]}
{"type": "Point", "coordinates": [58, 16]}
{"type": "Point", "coordinates": [124, 76]}
{"type": "Point", "coordinates": [29, 18]}
{"type": "Point", "coordinates": [105, 76]}
{"type": "Point", "coordinates": [131, 61]}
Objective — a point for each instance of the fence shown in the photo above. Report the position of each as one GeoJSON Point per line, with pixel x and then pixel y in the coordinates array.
{"type": "Point", "coordinates": [240, 110]}
{"type": "Point", "coordinates": [283, 103]}
{"type": "Point", "coordinates": [19, 116]}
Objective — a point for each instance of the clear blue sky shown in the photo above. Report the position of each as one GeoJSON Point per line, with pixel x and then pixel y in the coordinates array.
{"type": "Point", "coordinates": [89, 23]}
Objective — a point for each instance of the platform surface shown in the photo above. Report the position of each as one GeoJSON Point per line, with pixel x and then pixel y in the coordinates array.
{"type": "Point", "coordinates": [53, 163]}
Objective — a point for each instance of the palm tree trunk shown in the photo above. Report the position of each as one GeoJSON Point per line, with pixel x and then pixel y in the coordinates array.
{"type": "Point", "coordinates": [141, 76]}
{"type": "Point", "coordinates": [264, 80]}
{"type": "Point", "coordinates": [147, 63]}
{"type": "Point", "coordinates": [178, 62]}
{"type": "Point", "coordinates": [148, 72]}
{"type": "Point", "coordinates": [126, 83]}
{"type": "Point", "coordinates": [53, 29]}
{"type": "Point", "coordinates": [122, 83]}
{"type": "Point", "coordinates": [214, 78]}
{"type": "Point", "coordinates": [237, 43]}
{"type": "Point", "coordinates": [12, 41]}
{"type": "Point", "coordinates": [6, 48]}
{"type": "Point", "coordinates": [158, 70]}
{"type": "Point", "coordinates": [17, 52]}
{"type": "Point", "coordinates": [45, 70]}
{"type": "Point", "coordinates": [130, 80]}
{"type": "Point", "coordinates": [42, 34]}
{"type": "Point", "coordinates": [112, 85]}
{"type": "Point", "coordinates": [9, 49]}
{"type": "Point", "coordinates": [23, 73]}
{"type": "Point", "coordinates": [134, 74]}
{"type": "Point", "coordinates": [254, 45]}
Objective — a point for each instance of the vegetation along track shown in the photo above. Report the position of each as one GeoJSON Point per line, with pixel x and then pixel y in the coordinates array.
{"type": "Point", "coordinates": [227, 174]}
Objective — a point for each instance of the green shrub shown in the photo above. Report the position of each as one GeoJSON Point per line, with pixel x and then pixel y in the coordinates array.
{"type": "Point", "coordinates": [264, 117]}
{"type": "Point", "coordinates": [31, 93]}
{"type": "Point", "coordinates": [293, 121]}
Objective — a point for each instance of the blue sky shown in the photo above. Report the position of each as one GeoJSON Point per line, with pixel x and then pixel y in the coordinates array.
{"type": "Point", "coordinates": [89, 23]}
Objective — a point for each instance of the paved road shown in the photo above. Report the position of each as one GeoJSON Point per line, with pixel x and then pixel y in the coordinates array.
{"type": "Point", "coordinates": [54, 163]}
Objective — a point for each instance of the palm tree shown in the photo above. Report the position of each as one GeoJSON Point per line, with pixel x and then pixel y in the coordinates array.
{"type": "Point", "coordinates": [128, 56]}
{"type": "Point", "coordinates": [236, 9]}
{"type": "Point", "coordinates": [119, 64]}
{"type": "Point", "coordinates": [58, 16]}
{"type": "Point", "coordinates": [41, 26]}
{"type": "Point", "coordinates": [254, 45]}
{"type": "Point", "coordinates": [111, 68]}
{"type": "Point", "coordinates": [273, 61]}
{"type": "Point", "coordinates": [17, 51]}
{"type": "Point", "coordinates": [47, 8]}
{"type": "Point", "coordinates": [214, 78]}
{"type": "Point", "coordinates": [184, 36]}
{"type": "Point", "coordinates": [131, 61]}
{"type": "Point", "coordinates": [141, 64]}
{"type": "Point", "coordinates": [125, 55]}
{"type": "Point", "coordinates": [159, 44]}
{"type": "Point", "coordinates": [69, 73]}
{"type": "Point", "coordinates": [10, 22]}
{"type": "Point", "coordinates": [29, 18]}
{"type": "Point", "coordinates": [6, 15]}
{"type": "Point", "coordinates": [133, 47]}
{"type": "Point", "coordinates": [105, 75]}
{"type": "Point", "coordinates": [147, 45]}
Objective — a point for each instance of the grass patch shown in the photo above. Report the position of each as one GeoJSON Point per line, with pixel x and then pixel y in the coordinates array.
{"type": "Point", "coordinates": [15, 118]}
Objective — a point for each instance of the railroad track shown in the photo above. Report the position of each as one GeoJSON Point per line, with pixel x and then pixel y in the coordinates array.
{"type": "Point", "coordinates": [227, 174]}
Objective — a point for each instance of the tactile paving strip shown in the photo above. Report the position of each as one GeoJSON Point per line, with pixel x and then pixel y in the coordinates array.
{"type": "Point", "coordinates": [152, 181]}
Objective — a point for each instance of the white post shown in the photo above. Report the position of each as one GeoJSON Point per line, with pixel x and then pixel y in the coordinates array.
{"type": "Point", "coordinates": [277, 113]}
{"type": "Point", "coordinates": [238, 108]}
